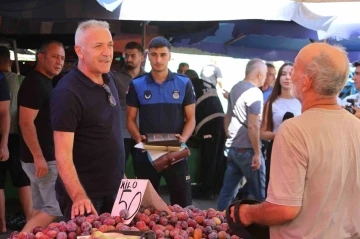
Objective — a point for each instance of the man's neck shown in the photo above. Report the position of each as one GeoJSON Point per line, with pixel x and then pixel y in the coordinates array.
{"type": "Point", "coordinates": [133, 72]}
{"type": "Point", "coordinates": [96, 78]}
{"type": "Point", "coordinates": [329, 103]}
{"type": "Point", "coordinates": [161, 76]}
{"type": "Point", "coordinates": [39, 69]}
{"type": "Point", "coordinates": [252, 81]}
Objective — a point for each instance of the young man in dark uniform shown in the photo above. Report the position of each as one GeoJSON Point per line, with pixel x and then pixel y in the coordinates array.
{"type": "Point", "coordinates": [163, 100]}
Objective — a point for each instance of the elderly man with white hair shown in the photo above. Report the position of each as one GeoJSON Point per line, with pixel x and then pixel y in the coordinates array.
{"type": "Point", "coordinates": [314, 186]}
{"type": "Point", "coordinates": [86, 119]}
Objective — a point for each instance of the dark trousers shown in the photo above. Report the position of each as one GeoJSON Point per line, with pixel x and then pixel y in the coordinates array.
{"type": "Point", "coordinates": [213, 163]}
{"type": "Point", "coordinates": [129, 148]}
{"type": "Point", "coordinates": [101, 204]}
{"type": "Point", "coordinates": [177, 178]}
{"type": "Point", "coordinates": [267, 164]}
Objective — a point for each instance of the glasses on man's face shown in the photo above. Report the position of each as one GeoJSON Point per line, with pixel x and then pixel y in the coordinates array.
{"type": "Point", "coordinates": [111, 98]}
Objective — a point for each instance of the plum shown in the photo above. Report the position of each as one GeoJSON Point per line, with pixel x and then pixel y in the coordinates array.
{"type": "Point", "coordinates": [184, 225]}
{"type": "Point", "coordinates": [174, 233]}
{"type": "Point", "coordinates": [173, 219]}
{"type": "Point", "coordinates": [211, 213]}
{"type": "Point", "coordinates": [163, 221]}
{"type": "Point", "coordinates": [169, 227]}
{"type": "Point", "coordinates": [190, 231]}
{"type": "Point", "coordinates": [209, 222]}
{"type": "Point", "coordinates": [22, 235]}
{"type": "Point", "coordinates": [213, 235]}
{"type": "Point", "coordinates": [86, 226]}
{"type": "Point", "coordinates": [105, 214]}
{"type": "Point", "coordinates": [36, 230]}
{"type": "Point", "coordinates": [208, 230]}
{"type": "Point", "coordinates": [71, 227]}
{"type": "Point", "coordinates": [135, 229]}
{"type": "Point", "coordinates": [61, 235]}
{"type": "Point", "coordinates": [124, 213]}
{"type": "Point", "coordinates": [152, 209]}
{"type": "Point", "coordinates": [125, 228]}
{"type": "Point", "coordinates": [182, 216]}
{"type": "Point", "coordinates": [216, 220]}
{"type": "Point", "coordinates": [154, 217]}
{"type": "Point", "coordinates": [103, 228]}
{"type": "Point", "coordinates": [109, 222]}
{"type": "Point", "coordinates": [197, 233]}
{"type": "Point", "coordinates": [159, 233]}
{"type": "Point", "coordinates": [62, 226]}
{"type": "Point", "coordinates": [147, 211]}
{"type": "Point", "coordinates": [52, 234]}
{"type": "Point", "coordinates": [151, 224]}
{"type": "Point", "coordinates": [97, 224]}
{"type": "Point", "coordinates": [184, 234]}
{"type": "Point", "coordinates": [110, 228]}
{"type": "Point", "coordinates": [141, 225]}
{"type": "Point", "coordinates": [222, 235]}
{"type": "Point", "coordinates": [72, 235]}
{"type": "Point", "coordinates": [30, 236]}
{"type": "Point", "coordinates": [119, 226]}
{"type": "Point", "coordinates": [191, 223]}
{"type": "Point", "coordinates": [171, 208]}
{"type": "Point", "coordinates": [191, 207]}
{"type": "Point", "coordinates": [14, 235]}
{"type": "Point", "coordinates": [86, 233]}
{"type": "Point", "coordinates": [178, 237]}
{"type": "Point", "coordinates": [79, 220]}
{"type": "Point", "coordinates": [224, 226]}
{"type": "Point", "coordinates": [118, 219]}
{"type": "Point", "coordinates": [163, 214]}
{"type": "Point", "coordinates": [53, 224]}
{"type": "Point", "coordinates": [234, 237]}
{"type": "Point", "coordinates": [78, 231]}
{"type": "Point", "coordinates": [167, 233]}
{"type": "Point", "coordinates": [199, 219]}
{"type": "Point", "coordinates": [158, 226]}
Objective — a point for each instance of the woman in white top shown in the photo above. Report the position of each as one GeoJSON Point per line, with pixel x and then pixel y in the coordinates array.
{"type": "Point", "coordinates": [280, 106]}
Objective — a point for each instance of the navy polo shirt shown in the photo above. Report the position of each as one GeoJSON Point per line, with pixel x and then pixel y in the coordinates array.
{"type": "Point", "coordinates": [161, 106]}
{"type": "Point", "coordinates": [81, 106]}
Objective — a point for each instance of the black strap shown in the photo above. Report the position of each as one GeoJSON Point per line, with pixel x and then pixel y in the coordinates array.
{"type": "Point", "coordinates": [236, 212]}
{"type": "Point", "coordinates": [243, 124]}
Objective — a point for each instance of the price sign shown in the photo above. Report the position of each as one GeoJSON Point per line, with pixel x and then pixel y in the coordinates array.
{"type": "Point", "coordinates": [129, 197]}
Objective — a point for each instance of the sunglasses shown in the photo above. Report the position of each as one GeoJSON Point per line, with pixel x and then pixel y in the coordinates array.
{"type": "Point", "coordinates": [111, 98]}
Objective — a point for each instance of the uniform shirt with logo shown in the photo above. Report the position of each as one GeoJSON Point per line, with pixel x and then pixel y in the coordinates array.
{"type": "Point", "coordinates": [161, 106]}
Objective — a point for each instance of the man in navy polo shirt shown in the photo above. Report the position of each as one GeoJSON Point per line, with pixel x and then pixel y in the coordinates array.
{"type": "Point", "coordinates": [86, 119]}
{"type": "Point", "coordinates": [165, 102]}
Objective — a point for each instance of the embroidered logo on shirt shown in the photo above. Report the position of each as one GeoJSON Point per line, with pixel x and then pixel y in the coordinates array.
{"type": "Point", "coordinates": [176, 94]}
{"type": "Point", "coordinates": [147, 94]}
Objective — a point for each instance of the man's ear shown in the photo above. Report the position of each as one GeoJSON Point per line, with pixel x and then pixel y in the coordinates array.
{"type": "Point", "coordinates": [40, 57]}
{"type": "Point", "coordinates": [307, 84]}
{"type": "Point", "coordinates": [78, 51]}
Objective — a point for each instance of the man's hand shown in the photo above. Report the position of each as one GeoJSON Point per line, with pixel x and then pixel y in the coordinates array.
{"type": "Point", "coordinates": [357, 112]}
{"type": "Point", "coordinates": [4, 153]}
{"type": "Point", "coordinates": [242, 215]}
{"type": "Point", "coordinates": [41, 167]}
{"type": "Point", "coordinates": [180, 138]}
{"type": "Point", "coordinates": [82, 205]}
{"type": "Point", "coordinates": [225, 94]}
{"type": "Point", "coordinates": [256, 162]}
{"type": "Point", "coordinates": [140, 138]}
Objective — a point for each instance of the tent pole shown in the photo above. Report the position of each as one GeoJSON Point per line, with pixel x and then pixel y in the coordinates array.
{"type": "Point", "coordinates": [143, 35]}
{"type": "Point", "coordinates": [16, 57]}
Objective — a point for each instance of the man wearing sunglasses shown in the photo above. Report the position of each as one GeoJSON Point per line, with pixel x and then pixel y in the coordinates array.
{"type": "Point", "coordinates": [86, 119]}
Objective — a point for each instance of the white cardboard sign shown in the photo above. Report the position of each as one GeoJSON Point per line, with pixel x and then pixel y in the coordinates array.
{"type": "Point", "coordinates": [132, 194]}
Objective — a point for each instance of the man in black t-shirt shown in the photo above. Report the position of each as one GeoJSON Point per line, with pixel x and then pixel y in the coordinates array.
{"type": "Point", "coordinates": [4, 127]}
{"type": "Point", "coordinates": [86, 119]}
{"type": "Point", "coordinates": [36, 140]}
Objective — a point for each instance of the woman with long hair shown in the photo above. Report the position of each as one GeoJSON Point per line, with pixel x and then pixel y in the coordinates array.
{"type": "Point", "coordinates": [280, 106]}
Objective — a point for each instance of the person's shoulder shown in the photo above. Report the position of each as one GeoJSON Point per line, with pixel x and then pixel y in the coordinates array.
{"type": "Point", "coordinates": [140, 78]}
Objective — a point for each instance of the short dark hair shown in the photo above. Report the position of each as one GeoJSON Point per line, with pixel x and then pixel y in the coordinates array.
{"type": "Point", "coordinates": [4, 55]}
{"type": "Point", "coordinates": [45, 45]}
{"type": "Point", "coordinates": [191, 74]}
{"type": "Point", "coordinates": [134, 45]}
{"type": "Point", "coordinates": [158, 42]}
{"type": "Point", "coordinates": [270, 65]}
{"type": "Point", "coordinates": [356, 63]}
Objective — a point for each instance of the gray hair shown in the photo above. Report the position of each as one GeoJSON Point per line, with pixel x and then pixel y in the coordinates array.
{"type": "Point", "coordinates": [83, 26]}
{"type": "Point", "coordinates": [253, 65]}
{"type": "Point", "coordinates": [329, 79]}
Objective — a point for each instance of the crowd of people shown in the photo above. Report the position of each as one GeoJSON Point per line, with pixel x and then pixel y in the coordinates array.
{"type": "Point", "coordinates": [288, 142]}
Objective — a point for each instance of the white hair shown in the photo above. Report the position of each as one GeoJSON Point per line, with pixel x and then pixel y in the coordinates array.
{"type": "Point", "coordinates": [328, 74]}
{"type": "Point", "coordinates": [83, 26]}
{"type": "Point", "coordinates": [253, 65]}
